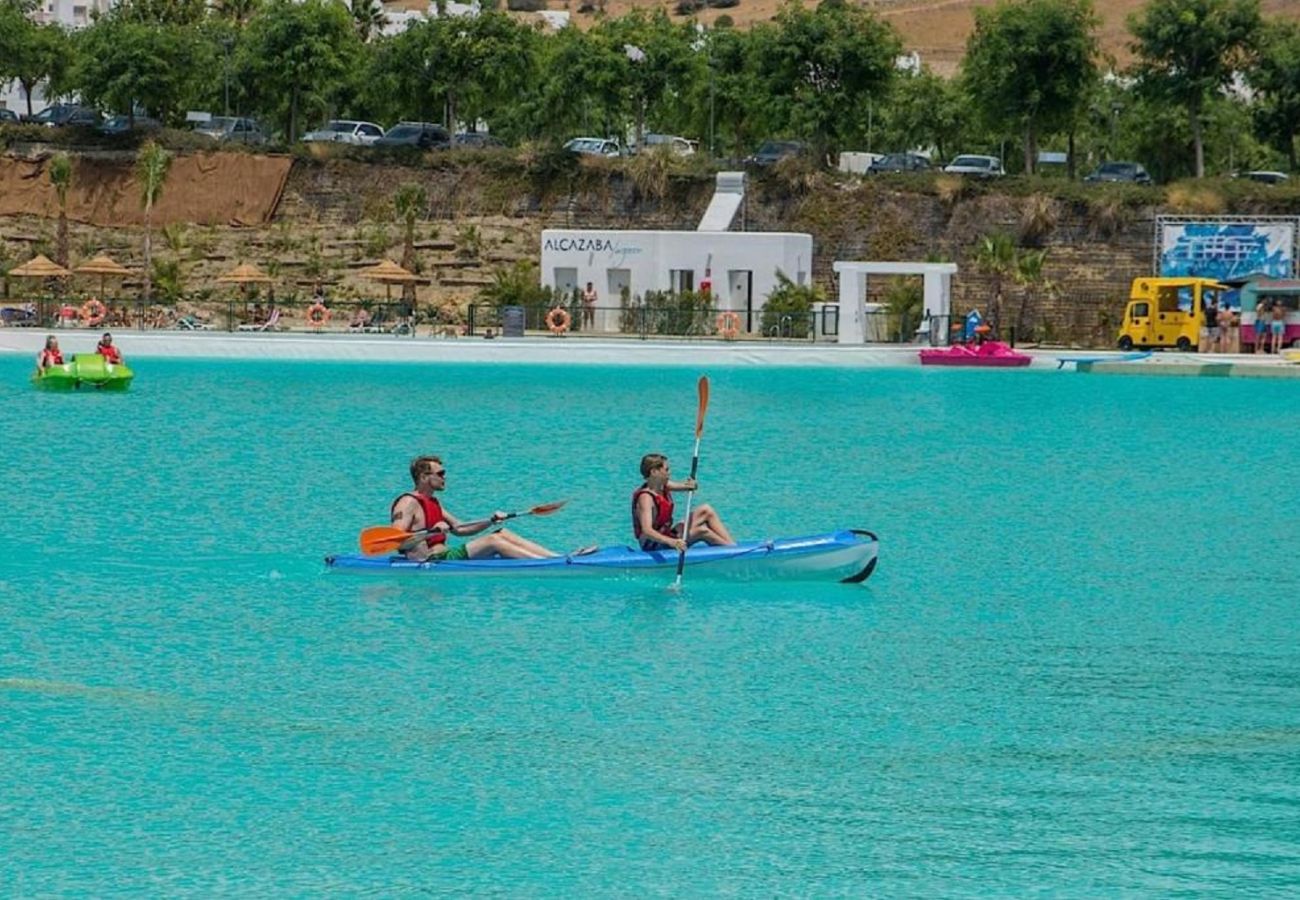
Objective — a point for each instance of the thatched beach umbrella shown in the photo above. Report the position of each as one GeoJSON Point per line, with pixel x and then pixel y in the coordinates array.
{"type": "Point", "coordinates": [245, 274]}
{"type": "Point", "coordinates": [389, 273]}
{"type": "Point", "coordinates": [103, 266]}
{"type": "Point", "coordinates": [40, 267]}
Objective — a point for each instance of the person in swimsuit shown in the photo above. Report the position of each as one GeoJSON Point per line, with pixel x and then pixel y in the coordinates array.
{"type": "Point", "coordinates": [652, 511]}
{"type": "Point", "coordinates": [1278, 325]}
{"type": "Point", "coordinates": [418, 509]}
{"type": "Point", "coordinates": [1261, 326]}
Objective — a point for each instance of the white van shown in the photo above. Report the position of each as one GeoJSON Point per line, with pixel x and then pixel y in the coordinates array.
{"type": "Point", "coordinates": [679, 146]}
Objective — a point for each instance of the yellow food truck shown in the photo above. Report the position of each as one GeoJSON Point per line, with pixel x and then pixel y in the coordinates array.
{"type": "Point", "coordinates": [1168, 312]}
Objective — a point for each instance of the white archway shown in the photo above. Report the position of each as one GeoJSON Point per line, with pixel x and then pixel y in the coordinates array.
{"type": "Point", "coordinates": [936, 293]}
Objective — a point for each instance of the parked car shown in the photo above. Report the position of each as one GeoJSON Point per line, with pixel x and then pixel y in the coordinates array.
{"type": "Point", "coordinates": [899, 162]}
{"type": "Point", "coordinates": [124, 124]}
{"type": "Point", "coordinates": [424, 135]}
{"type": "Point", "coordinates": [476, 140]}
{"type": "Point", "coordinates": [236, 129]}
{"type": "Point", "coordinates": [771, 152]}
{"type": "Point", "coordinates": [345, 131]}
{"type": "Point", "coordinates": [1129, 172]}
{"type": "Point", "coordinates": [67, 115]}
{"type": "Point", "coordinates": [589, 146]}
{"type": "Point", "coordinates": [979, 166]}
{"type": "Point", "coordinates": [1264, 177]}
{"type": "Point", "coordinates": [678, 146]}
{"type": "Point", "coordinates": [8, 117]}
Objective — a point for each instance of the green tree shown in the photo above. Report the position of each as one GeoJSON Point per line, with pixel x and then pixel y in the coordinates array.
{"type": "Point", "coordinates": [61, 177]}
{"type": "Point", "coordinates": [1029, 63]}
{"type": "Point", "coordinates": [1276, 76]}
{"type": "Point", "coordinates": [151, 165]}
{"type": "Point", "coordinates": [161, 12]}
{"type": "Point", "coordinates": [31, 53]}
{"type": "Point", "coordinates": [923, 110]}
{"type": "Point", "coordinates": [453, 68]}
{"type": "Point", "coordinates": [821, 67]}
{"type": "Point", "coordinates": [655, 64]}
{"type": "Point", "coordinates": [124, 63]}
{"type": "Point", "coordinates": [1189, 50]}
{"type": "Point", "coordinates": [296, 58]}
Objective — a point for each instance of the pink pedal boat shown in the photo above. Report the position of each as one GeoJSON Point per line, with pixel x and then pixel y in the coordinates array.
{"type": "Point", "coordinates": [990, 355]}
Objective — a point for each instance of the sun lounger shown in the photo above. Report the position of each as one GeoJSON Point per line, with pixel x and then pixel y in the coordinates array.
{"type": "Point", "coordinates": [268, 325]}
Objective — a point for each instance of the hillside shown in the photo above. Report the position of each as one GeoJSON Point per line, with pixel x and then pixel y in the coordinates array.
{"type": "Point", "coordinates": [936, 29]}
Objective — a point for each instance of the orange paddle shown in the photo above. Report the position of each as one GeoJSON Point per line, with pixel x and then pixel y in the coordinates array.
{"type": "Point", "coordinates": [703, 407]}
{"type": "Point", "coordinates": [383, 538]}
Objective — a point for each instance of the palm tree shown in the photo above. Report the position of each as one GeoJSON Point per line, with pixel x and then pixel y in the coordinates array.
{"type": "Point", "coordinates": [151, 165]}
{"type": "Point", "coordinates": [61, 178]}
{"type": "Point", "coordinates": [369, 18]}
{"type": "Point", "coordinates": [996, 256]}
{"type": "Point", "coordinates": [410, 201]}
{"type": "Point", "coordinates": [1029, 274]}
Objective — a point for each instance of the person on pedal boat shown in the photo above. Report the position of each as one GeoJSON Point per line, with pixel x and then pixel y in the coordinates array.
{"type": "Point", "coordinates": [106, 349]}
{"type": "Point", "coordinates": [419, 509]}
{"type": "Point", "coordinates": [652, 511]}
{"type": "Point", "coordinates": [50, 356]}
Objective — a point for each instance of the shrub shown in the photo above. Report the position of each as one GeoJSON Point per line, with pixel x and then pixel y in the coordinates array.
{"type": "Point", "coordinates": [525, 5]}
{"type": "Point", "coordinates": [688, 7]}
{"type": "Point", "coordinates": [518, 285]}
{"type": "Point", "coordinates": [722, 4]}
{"type": "Point", "coordinates": [790, 299]}
{"type": "Point", "coordinates": [724, 21]}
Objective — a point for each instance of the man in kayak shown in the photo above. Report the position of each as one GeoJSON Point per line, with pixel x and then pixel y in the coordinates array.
{"type": "Point", "coordinates": [419, 509]}
{"type": "Point", "coordinates": [652, 511]}
{"type": "Point", "coordinates": [106, 349]}
{"type": "Point", "coordinates": [50, 356]}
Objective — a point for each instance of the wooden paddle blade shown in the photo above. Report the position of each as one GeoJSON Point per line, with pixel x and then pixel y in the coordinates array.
{"type": "Point", "coordinates": [382, 539]}
{"type": "Point", "coordinates": [704, 405]}
{"type": "Point", "coordinates": [546, 508]}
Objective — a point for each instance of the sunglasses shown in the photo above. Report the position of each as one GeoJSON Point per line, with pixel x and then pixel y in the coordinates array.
{"type": "Point", "coordinates": [439, 472]}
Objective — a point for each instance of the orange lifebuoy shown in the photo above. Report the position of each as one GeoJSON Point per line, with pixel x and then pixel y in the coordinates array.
{"type": "Point", "coordinates": [93, 311]}
{"type": "Point", "coordinates": [318, 314]}
{"type": "Point", "coordinates": [728, 325]}
{"type": "Point", "coordinates": [558, 320]}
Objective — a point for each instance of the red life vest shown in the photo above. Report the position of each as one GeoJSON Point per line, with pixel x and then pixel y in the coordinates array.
{"type": "Point", "coordinates": [50, 358]}
{"type": "Point", "coordinates": [432, 516]}
{"type": "Point", "coordinates": [663, 517]}
{"type": "Point", "coordinates": [109, 352]}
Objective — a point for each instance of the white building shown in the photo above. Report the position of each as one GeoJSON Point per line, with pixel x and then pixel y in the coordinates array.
{"type": "Point", "coordinates": [738, 267]}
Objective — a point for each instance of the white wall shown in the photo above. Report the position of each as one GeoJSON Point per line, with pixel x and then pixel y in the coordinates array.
{"type": "Point", "coordinates": [648, 259]}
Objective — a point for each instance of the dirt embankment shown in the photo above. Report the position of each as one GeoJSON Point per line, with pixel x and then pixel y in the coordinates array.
{"type": "Point", "coordinates": [309, 222]}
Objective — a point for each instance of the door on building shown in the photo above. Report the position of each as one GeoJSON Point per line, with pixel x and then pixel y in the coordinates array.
{"type": "Point", "coordinates": [618, 293]}
{"type": "Point", "coordinates": [566, 282]}
{"type": "Point", "coordinates": [740, 295]}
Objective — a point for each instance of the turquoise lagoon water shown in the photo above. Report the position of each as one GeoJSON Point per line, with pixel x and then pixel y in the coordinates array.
{"type": "Point", "coordinates": [1076, 671]}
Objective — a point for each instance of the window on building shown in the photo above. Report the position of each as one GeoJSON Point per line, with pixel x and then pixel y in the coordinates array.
{"type": "Point", "coordinates": [680, 280]}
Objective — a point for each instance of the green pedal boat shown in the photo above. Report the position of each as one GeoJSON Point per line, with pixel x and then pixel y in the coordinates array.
{"type": "Point", "coordinates": [85, 372]}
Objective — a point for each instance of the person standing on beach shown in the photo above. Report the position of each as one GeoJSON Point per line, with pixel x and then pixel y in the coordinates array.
{"type": "Point", "coordinates": [1278, 324]}
{"type": "Point", "coordinates": [50, 356]}
{"type": "Point", "coordinates": [652, 512]}
{"type": "Point", "coordinates": [418, 510]}
{"type": "Point", "coordinates": [1261, 325]}
{"type": "Point", "coordinates": [589, 306]}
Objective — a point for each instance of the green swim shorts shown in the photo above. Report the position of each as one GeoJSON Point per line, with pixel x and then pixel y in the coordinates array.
{"type": "Point", "coordinates": [456, 551]}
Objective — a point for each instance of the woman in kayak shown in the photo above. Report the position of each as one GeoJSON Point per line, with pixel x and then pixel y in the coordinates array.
{"type": "Point", "coordinates": [106, 349]}
{"type": "Point", "coordinates": [652, 511]}
{"type": "Point", "coordinates": [50, 356]}
{"type": "Point", "coordinates": [418, 510]}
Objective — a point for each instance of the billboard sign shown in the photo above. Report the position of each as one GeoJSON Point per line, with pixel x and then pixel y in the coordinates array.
{"type": "Point", "coordinates": [1226, 249]}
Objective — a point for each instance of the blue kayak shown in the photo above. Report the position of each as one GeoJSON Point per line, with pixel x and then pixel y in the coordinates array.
{"type": "Point", "coordinates": [848, 556]}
